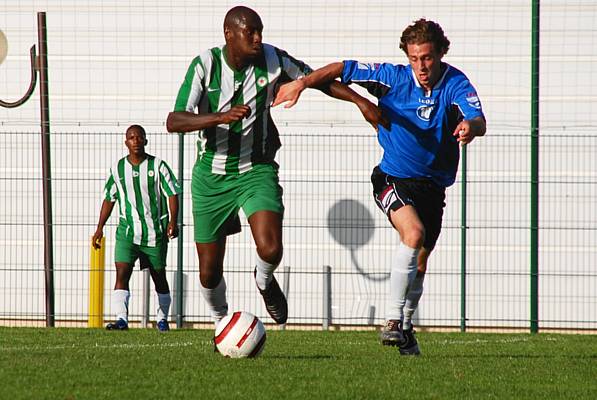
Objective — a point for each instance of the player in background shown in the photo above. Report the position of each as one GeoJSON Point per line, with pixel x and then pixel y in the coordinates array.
{"type": "Point", "coordinates": [140, 184]}
{"type": "Point", "coordinates": [226, 95]}
{"type": "Point", "coordinates": [432, 108]}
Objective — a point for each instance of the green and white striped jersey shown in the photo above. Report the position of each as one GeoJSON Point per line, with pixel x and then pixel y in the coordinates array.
{"type": "Point", "coordinates": [141, 192]}
{"type": "Point", "coordinates": [211, 86]}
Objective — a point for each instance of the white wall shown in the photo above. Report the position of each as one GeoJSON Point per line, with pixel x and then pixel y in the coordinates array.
{"type": "Point", "coordinates": [113, 63]}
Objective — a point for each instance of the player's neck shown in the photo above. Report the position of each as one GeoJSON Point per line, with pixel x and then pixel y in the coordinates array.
{"type": "Point", "coordinates": [136, 159]}
{"type": "Point", "coordinates": [428, 88]}
{"type": "Point", "coordinates": [234, 61]}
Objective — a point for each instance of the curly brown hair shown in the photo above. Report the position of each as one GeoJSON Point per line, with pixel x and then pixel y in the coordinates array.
{"type": "Point", "coordinates": [423, 31]}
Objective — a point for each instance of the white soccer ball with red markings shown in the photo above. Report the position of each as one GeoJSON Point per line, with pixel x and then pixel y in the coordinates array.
{"type": "Point", "coordinates": [240, 334]}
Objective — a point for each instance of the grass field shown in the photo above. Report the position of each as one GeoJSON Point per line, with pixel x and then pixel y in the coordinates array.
{"type": "Point", "coordinates": [68, 363]}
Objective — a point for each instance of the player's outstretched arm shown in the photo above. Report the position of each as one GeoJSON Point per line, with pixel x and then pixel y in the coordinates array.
{"type": "Point", "coordinates": [105, 212]}
{"type": "Point", "coordinates": [184, 121]}
{"type": "Point", "coordinates": [172, 230]}
{"type": "Point", "coordinates": [290, 92]}
{"type": "Point", "coordinates": [324, 79]}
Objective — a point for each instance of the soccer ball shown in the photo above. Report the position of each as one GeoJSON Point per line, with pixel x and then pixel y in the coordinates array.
{"type": "Point", "coordinates": [240, 334]}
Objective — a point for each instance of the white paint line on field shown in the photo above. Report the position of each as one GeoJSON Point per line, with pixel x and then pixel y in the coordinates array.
{"type": "Point", "coordinates": [486, 341]}
{"type": "Point", "coordinates": [107, 346]}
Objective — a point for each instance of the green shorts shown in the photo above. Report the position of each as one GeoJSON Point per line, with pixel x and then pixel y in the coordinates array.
{"type": "Point", "coordinates": [152, 257]}
{"type": "Point", "coordinates": [217, 199]}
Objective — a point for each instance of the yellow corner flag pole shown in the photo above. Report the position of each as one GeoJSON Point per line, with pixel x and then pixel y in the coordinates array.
{"type": "Point", "coordinates": [96, 285]}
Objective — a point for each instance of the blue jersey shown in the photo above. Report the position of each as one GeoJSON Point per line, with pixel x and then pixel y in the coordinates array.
{"type": "Point", "coordinates": [420, 142]}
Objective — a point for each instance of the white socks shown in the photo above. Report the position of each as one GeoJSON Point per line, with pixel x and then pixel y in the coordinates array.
{"type": "Point", "coordinates": [164, 301]}
{"type": "Point", "coordinates": [120, 304]}
{"type": "Point", "coordinates": [265, 272]}
{"type": "Point", "coordinates": [216, 299]}
{"type": "Point", "coordinates": [404, 270]}
{"type": "Point", "coordinates": [412, 299]}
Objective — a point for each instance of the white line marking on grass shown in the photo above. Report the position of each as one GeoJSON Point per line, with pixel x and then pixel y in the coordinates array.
{"type": "Point", "coordinates": [486, 341]}
{"type": "Point", "coordinates": [106, 346]}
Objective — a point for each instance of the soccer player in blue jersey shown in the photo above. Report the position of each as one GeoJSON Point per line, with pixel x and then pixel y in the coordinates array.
{"type": "Point", "coordinates": [226, 96]}
{"type": "Point", "coordinates": [432, 107]}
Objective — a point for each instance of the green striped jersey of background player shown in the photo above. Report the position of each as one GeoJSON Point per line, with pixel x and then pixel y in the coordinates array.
{"type": "Point", "coordinates": [141, 190]}
{"type": "Point", "coordinates": [211, 85]}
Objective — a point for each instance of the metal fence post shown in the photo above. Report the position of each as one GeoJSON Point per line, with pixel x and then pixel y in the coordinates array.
{"type": "Point", "coordinates": [145, 299]}
{"type": "Point", "coordinates": [327, 297]}
{"type": "Point", "coordinates": [371, 316]}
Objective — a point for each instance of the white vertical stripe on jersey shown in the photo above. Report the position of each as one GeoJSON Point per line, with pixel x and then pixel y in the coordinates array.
{"type": "Point", "coordinates": [128, 179]}
{"type": "Point", "coordinates": [196, 89]}
{"type": "Point", "coordinates": [162, 178]}
{"type": "Point", "coordinates": [201, 104]}
{"type": "Point", "coordinates": [111, 193]}
{"type": "Point", "coordinates": [246, 139]}
{"type": "Point", "coordinates": [157, 188]}
{"type": "Point", "coordinates": [144, 185]}
{"type": "Point", "coordinates": [291, 68]}
{"type": "Point", "coordinates": [118, 184]}
{"type": "Point", "coordinates": [223, 130]}
{"type": "Point", "coordinates": [273, 73]}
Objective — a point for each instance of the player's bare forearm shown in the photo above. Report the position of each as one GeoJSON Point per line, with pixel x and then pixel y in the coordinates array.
{"type": "Point", "coordinates": [321, 79]}
{"type": "Point", "coordinates": [478, 126]}
{"type": "Point", "coordinates": [370, 111]}
{"type": "Point", "coordinates": [184, 121]}
{"type": "Point", "coordinates": [173, 225]}
{"type": "Point", "coordinates": [323, 75]}
{"type": "Point", "coordinates": [467, 130]}
{"type": "Point", "coordinates": [105, 212]}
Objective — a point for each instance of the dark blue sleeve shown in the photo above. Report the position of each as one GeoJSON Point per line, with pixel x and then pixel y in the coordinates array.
{"type": "Point", "coordinates": [377, 78]}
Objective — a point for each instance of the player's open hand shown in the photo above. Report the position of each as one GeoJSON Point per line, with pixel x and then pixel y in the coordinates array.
{"type": "Point", "coordinates": [96, 240]}
{"type": "Point", "coordinates": [373, 114]}
{"type": "Point", "coordinates": [236, 113]}
{"type": "Point", "coordinates": [463, 133]}
{"type": "Point", "coordinates": [289, 93]}
{"type": "Point", "coordinates": [172, 230]}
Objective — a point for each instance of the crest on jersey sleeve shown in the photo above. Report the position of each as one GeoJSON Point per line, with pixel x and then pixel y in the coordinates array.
{"type": "Point", "coordinates": [372, 66]}
{"type": "Point", "coordinates": [473, 100]}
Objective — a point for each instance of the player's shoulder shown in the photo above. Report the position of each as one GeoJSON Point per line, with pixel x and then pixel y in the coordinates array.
{"type": "Point", "coordinates": [206, 56]}
{"type": "Point", "coordinates": [119, 162]}
{"type": "Point", "coordinates": [454, 75]}
{"type": "Point", "coordinates": [116, 165]}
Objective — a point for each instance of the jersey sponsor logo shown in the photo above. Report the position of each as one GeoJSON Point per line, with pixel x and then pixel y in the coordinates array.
{"type": "Point", "coordinates": [211, 90]}
{"type": "Point", "coordinates": [424, 112]}
{"type": "Point", "coordinates": [262, 81]}
{"type": "Point", "coordinates": [473, 100]}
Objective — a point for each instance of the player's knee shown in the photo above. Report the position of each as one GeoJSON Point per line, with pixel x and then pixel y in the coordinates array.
{"type": "Point", "coordinates": [270, 252]}
{"type": "Point", "coordinates": [414, 237]}
{"type": "Point", "coordinates": [210, 278]}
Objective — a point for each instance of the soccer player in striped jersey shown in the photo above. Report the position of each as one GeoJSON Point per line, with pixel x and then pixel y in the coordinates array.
{"type": "Point", "coordinates": [226, 95]}
{"type": "Point", "coordinates": [145, 188]}
{"type": "Point", "coordinates": [432, 107]}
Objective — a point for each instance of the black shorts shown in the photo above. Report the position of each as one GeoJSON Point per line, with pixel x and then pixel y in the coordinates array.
{"type": "Point", "coordinates": [391, 193]}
